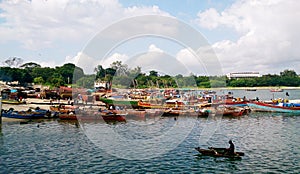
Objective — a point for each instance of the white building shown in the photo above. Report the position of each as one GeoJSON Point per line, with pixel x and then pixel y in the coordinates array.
{"type": "Point", "coordinates": [101, 84]}
{"type": "Point", "coordinates": [237, 75]}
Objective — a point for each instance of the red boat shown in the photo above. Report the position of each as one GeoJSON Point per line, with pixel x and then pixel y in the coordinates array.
{"type": "Point", "coordinates": [67, 116]}
{"type": "Point", "coordinates": [110, 116]}
{"type": "Point", "coordinates": [280, 107]}
{"type": "Point", "coordinates": [232, 111]}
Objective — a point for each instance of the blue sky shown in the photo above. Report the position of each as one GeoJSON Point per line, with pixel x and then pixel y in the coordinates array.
{"type": "Point", "coordinates": [245, 35]}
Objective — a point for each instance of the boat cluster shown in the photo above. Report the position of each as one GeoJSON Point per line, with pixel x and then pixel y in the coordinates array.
{"type": "Point", "coordinates": [138, 104]}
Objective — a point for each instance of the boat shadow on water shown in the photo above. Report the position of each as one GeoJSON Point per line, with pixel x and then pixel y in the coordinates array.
{"type": "Point", "coordinates": [215, 159]}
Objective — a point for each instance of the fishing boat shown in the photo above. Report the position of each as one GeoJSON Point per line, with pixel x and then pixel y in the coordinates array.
{"type": "Point", "coordinates": [29, 114]}
{"type": "Point", "coordinates": [12, 102]}
{"type": "Point", "coordinates": [280, 107]}
{"type": "Point", "coordinates": [81, 115]}
{"type": "Point", "coordinates": [276, 90]}
{"type": "Point", "coordinates": [63, 108]}
{"type": "Point", "coordinates": [232, 111]}
{"type": "Point", "coordinates": [250, 89]}
{"type": "Point", "coordinates": [128, 103]}
{"type": "Point", "coordinates": [219, 152]}
{"type": "Point", "coordinates": [114, 118]}
{"type": "Point", "coordinates": [186, 112]}
{"type": "Point", "coordinates": [67, 116]}
{"type": "Point", "coordinates": [148, 105]}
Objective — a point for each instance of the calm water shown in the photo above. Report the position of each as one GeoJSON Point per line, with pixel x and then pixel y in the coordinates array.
{"type": "Point", "coordinates": [270, 142]}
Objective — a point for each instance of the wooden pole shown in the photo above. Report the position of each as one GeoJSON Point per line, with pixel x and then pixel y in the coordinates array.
{"type": "Point", "coordinates": [0, 110]}
{"type": "Point", "coordinates": [0, 116]}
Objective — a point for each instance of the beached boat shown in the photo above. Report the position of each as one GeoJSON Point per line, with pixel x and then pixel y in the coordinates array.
{"type": "Point", "coordinates": [280, 107]}
{"type": "Point", "coordinates": [219, 152]}
{"type": "Point", "coordinates": [12, 102]}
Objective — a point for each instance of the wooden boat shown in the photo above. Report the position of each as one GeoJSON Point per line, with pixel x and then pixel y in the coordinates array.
{"type": "Point", "coordinates": [30, 114]}
{"type": "Point", "coordinates": [281, 107]}
{"type": "Point", "coordinates": [231, 111]}
{"type": "Point", "coordinates": [235, 103]}
{"type": "Point", "coordinates": [276, 90]}
{"type": "Point", "coordinates": [114, 117]}
{"type": "Point", "coordinates": [120, 102]}
{"type": "Point", "coordinates": [81, 116]}
{"type": "Point", "coordinates": [179, 112]}
{"type": "Point", "coordinates": [219, 152]}
{"type": "Point", "coordinates": [63, 108]}
{"type": "Point", "coordinates": [251, 89]}
{"type": "Point", "coordinates": [67, 116]}
{"type": "Point", "coordinates": [12, 102]}
{"type": "Point", "coordinates": [147, 105]}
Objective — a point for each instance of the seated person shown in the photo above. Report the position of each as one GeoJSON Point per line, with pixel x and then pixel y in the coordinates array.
{"type": "Point", "coordinates": [230, 150]}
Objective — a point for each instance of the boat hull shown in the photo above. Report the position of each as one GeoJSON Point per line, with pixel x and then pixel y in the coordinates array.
{"type": "Point", "coordinates": [219, 152]}
{"type": "Point", "coordinates": [24, 115]}
{"type": "Point", "coordinates": [265, 107]}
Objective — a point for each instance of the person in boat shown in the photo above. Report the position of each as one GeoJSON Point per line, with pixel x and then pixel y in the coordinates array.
{"type": "Point", "coordinates": [230, 150]}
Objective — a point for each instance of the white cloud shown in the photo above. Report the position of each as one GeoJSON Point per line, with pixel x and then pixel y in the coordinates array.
{"type": "Point", "coordinates": [153, 48]}
{"type": "Point", "coordinates": [40, 24]}
{"type": "Point", "coordinates": [113, 58]}
{"type": "Point", "coordinates": [269, 35]}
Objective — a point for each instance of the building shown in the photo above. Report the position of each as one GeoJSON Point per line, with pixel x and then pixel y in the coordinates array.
{"type": "Point", "coordinates": [237, 75]}
{"type": "Point", "coordinates": [101, 84]}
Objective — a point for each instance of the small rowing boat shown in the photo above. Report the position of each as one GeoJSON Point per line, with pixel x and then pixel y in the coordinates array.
{"type": "Point", "coordinates": [219, 152]}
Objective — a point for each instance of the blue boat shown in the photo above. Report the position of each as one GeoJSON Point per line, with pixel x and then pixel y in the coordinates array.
{"type": "Point", "coordinates": [23, 114]}
{"type": "Point", "coordinates": [280, 107]}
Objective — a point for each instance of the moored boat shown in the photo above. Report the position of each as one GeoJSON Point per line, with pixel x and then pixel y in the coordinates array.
{"type": "Point", "coordinates": [232, 111]}
{"type": "Point", "coordinates": [114, 118]}
{"type": "Point", "coordinates": [276, 90]}
{"type": "Point", "coordinates": [129, 103]}
{"type": "Point", "coordinates": [67, 116]}
{"type": "Point", "coordinates": [12, 102]}
{"type": "Point", "coordinates": [250, 89]}
{"type": "Point", "coordinates": [280, 107]}
{"type": "Point", "coordinates": [29, 114]}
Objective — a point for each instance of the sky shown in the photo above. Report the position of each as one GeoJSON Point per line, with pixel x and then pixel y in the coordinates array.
{"type": "Point", "coordinates": [203, 37]}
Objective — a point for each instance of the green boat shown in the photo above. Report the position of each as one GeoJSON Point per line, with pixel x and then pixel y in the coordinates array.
{"type": "Point", "coordinates": [11, 102]}
{"type": "Point", "coordinates": [120, 102]}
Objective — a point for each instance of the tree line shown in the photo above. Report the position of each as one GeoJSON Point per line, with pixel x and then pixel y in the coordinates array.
{"type": "Point", "coordinates": [120, 75]}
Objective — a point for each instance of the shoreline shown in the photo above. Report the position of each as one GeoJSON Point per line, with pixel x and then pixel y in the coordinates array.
{"type": "Point", "coordinates": [222, 88]}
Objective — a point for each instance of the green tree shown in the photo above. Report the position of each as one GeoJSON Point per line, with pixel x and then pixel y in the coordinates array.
{"type": "Point", "coordinates": [121, 69]}
{"type": "Point", "coordinates": [30, 65]}
{"type": "Point", "coordinates": [13, 62]}
{"type": "Point", "coordinates": [86, 82]}
{"type": "Point", "coordinates": [38, 80]}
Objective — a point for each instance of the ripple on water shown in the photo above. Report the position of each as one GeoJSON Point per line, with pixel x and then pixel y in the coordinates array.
{"type": "Point", "coordinates": [271, 145]}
